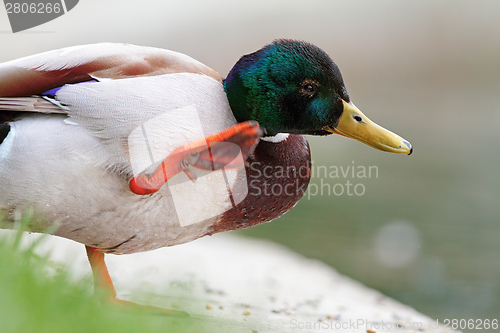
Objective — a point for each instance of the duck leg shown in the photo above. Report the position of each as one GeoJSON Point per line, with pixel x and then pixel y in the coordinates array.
{"type": "Point", "coordinates": [216, 151]}
{"type": "Point", "coordinates": [103, 283]}
{"type": "Point", "coordinates": [102, 280]}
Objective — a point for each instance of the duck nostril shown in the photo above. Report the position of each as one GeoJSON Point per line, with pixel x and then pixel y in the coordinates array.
{"type": "Point", "coordinates": [358, 118]}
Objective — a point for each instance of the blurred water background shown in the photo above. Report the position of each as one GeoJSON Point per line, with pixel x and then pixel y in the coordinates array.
{"type": "Point", "coordinates": [426, 228]}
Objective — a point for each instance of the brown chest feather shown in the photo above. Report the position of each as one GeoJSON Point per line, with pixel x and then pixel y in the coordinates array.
{"type": "Point", "coordinates": [277, 177]}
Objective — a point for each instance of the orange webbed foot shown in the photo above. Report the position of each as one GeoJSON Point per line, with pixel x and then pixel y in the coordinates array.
{"type": "Point", "coordinates": [210, 153]}
{"type": "Point", "coordinates": [126, 305]}
{"type": "Point", "coordinates": [104, 286]}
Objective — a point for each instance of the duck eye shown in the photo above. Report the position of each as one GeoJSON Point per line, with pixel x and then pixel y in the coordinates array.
{"type": "Point", "coordinates": [309, 87]}
{"type": "Point", "coordinates": [358, 118]}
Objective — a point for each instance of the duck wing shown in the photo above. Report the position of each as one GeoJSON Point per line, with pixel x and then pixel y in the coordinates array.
{"type": "Point", "coordinates": [113, 90]}
{"type": "Point", "coordinates": [38, 73]}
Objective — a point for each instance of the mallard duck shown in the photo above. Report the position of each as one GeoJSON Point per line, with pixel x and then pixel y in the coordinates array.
{"type": "Point", "coordinates": [126, 148]}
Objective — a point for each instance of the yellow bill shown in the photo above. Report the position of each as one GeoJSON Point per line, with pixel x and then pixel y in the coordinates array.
{"type": "Point", "coordinates": [355, 125]}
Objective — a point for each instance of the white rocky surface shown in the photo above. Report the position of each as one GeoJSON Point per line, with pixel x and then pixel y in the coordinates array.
{"type": "Point", "coordinates": [236, 284]}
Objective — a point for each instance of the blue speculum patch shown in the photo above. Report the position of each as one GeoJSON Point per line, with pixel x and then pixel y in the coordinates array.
{"type": "Point", "coordinates": [52, 92]}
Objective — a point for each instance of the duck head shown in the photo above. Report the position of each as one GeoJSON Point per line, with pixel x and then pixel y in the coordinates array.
{"type": "Point", "coordinates": [291, 86]}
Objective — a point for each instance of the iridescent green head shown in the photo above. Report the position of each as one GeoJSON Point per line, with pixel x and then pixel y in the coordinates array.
{"type": "Point", "coordinates": [288, 86]}
{"type": "Point", "coordinates": [292, 86]}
